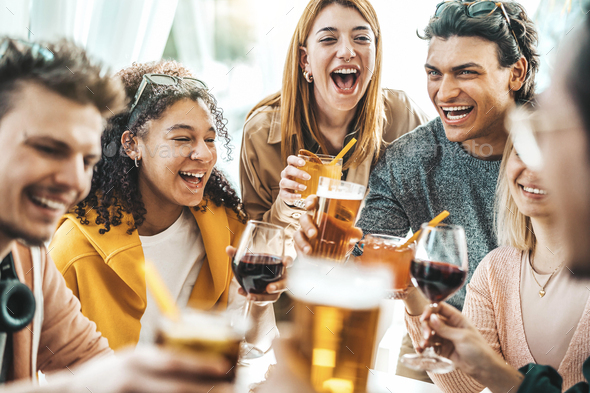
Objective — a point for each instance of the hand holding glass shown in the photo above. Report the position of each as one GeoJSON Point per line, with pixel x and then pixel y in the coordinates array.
{"type": "Point", "coordinates": [258, 262]}
{"type": "Point", "coordinates": [439, 269]}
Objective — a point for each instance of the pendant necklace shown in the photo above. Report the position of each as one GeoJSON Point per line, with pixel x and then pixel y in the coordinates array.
{"type": "Point", "coordinates": [542, 291]}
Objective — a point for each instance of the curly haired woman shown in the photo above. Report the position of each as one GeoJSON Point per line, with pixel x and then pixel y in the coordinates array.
{"type": "Point", "coordinates": [156, 195]}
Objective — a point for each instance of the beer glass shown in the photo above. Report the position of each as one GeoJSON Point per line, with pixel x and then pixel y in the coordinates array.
{"type": "Point", "coordinates": [388, 251]}
{"type": "Point", "coordinates": [257, 263]}
{"type": "Point", "coordinates": [338, 205]}
{"type": "Point", "coordinates": [316, 170]}
{"type": "Point", "coordinates": [336, 316]}
{"type": "Point", "coordinates": [210, 335]}
{"type": "Point", "coordinates": [439, 269]}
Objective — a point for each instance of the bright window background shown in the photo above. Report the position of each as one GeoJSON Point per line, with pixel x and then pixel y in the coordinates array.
{"type": "Point", "coordinates": [238, 47]}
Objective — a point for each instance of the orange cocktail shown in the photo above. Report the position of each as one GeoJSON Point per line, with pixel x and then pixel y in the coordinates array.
{"type": "Point", "coordinates": [315, 170]}
{"type": "Point", "coordinates": [388, 251]}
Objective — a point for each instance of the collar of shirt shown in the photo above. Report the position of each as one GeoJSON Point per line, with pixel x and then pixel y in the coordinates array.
{"type": "Point", "coordinates": [309, 142]}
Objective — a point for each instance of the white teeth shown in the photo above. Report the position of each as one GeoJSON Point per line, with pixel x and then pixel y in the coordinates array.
{"type": "Point", "coordinates": [456, 117]}
{"type": "Point", "coordinates": [456, 108]}
{"type": "Point", "coordinates": [346, 71]}
{"type": "Point", "coordinates": [449, 109]}
{"type": "Point", "coordinates": [534, 190]}
{"type": "Point", "coordinates": [55, 205]}
{"type": "Point", "coordinates": [197, 175]}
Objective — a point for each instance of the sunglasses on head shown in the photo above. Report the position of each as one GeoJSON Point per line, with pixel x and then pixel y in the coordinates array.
{"type": "Point", "coordinates": [162, 80]}
{"type": "Point", "coordinates": [478, 9]}
{"type": "Point", "coordinates": [37, 50]}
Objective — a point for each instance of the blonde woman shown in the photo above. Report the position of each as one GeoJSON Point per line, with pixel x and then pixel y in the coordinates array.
{"type": "Point", "coordinates": [521, 298]}
{"type": "Point", "coordinates": [331, 93]}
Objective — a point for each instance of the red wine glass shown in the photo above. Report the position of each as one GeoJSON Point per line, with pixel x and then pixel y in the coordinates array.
{"type": "Point", "coordinates": [257, 263]}
{"type": "Point", "coordinates": [439, 269]}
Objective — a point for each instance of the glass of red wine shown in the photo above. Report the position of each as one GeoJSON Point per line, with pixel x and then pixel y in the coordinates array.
{"type": "Point", "coordinates": [439, 269]}
{"type": "Point", "coordinates": [257, 263]}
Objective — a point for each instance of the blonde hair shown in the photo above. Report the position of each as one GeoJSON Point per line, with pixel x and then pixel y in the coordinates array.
{"type": "Point", "coordinates": [512, 227]}
{"type": "Point", "coordinates": [296, 101]}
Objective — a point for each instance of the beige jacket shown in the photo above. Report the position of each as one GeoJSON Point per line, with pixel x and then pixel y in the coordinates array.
{"type": "Point", "coordinates": [59, 336]}
{"type": "Point", "coordinates": [261, 164]}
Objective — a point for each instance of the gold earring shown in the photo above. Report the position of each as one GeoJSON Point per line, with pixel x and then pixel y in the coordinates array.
{"type": "Point", "coordinates": [308, 78]}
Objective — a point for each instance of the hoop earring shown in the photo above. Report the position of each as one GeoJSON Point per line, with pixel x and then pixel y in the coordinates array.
{"type": "Point", "coordinates": [136, 164]}
{"type": "Point", "coordinates": [308, 78]}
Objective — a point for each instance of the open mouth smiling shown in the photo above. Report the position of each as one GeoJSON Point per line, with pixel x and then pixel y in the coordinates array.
{"type": "Point", "coordinates": [48, 203]}
{"type": "Point", "coordinates": [454, 113]}
{"type": "Point", "coordinates": [345, 78]}
{"type": "Point", "coordinates": [193, 178]}
{"type": "Point", "coordinates": [533, 190]}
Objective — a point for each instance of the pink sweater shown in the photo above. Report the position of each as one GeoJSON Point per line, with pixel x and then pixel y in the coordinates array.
{"type": "Point", "coordinates": [493, 305]}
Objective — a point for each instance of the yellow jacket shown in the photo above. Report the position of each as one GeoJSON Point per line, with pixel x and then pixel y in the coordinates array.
{"type": "Point", "coordinates": [105, 271]}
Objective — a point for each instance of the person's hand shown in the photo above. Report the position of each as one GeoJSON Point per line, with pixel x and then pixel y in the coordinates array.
{"type": "Point", "coordinates": [462, 342]}
{"type": "Point", "coordinates": [309, 231]}
{"type": "Point", "coordinates": [415, 300]}
{"type": "Point", "coordinates": [466, 347]}
{"type": "Point", "coordinates": [290, 188]}
{"type": "Point", "coordinates": [146, 369]}
{"type": "Point", "coordinates": [274, 289]}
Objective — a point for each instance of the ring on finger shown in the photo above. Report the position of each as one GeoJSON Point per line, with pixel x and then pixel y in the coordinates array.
{"type": "Point", "coordinates": [300, 203]}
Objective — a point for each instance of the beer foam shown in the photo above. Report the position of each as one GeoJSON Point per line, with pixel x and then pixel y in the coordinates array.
{"type": "Point", "coordinates": [349, 286]}
{"type": "Point", "coordinates": [348, 196]}
{"type": "Point", "coordinates": [201, 326]}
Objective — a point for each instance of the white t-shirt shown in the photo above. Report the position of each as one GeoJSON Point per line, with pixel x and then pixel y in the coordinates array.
{"type": "Point", "coordinates": [178, 253]}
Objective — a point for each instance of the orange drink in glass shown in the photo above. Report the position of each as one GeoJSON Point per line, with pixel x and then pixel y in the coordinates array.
{"type": "Point", "coordinates": [315, 170]}
{"type": "Point", "coordinates": [387, 250]}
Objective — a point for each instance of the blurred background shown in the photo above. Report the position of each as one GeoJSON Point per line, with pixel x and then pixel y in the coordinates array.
{"type": "Point", "coordinates": [238, 47]}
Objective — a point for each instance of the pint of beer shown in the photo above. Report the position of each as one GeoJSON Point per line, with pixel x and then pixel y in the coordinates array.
{"type": "Point", "coordinates": [336, 316]}
{"type": "Point", "coordinates": [210, 335]}
{"type": "Point", "coordinates": [338, 205]}
{"type": "Point", "coordinates": [316, 170]}
{"type": "Point", "coordinates": [388, 251]}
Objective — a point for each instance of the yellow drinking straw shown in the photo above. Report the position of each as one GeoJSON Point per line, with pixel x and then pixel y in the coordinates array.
{"type": "Point", "coordinates": [434, 222]}
{"type": "Point", "coordinates": [159, 291]}
{"type": "Point", "coordinates": [343, 151]}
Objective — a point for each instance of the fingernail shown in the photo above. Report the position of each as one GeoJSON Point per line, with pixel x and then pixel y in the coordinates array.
{"type": "Point", "coordinates": [302, 187]}
{"type": "Point", "coordinates": [272, 288]}
{"type": "Point", "coordinates": [306, 176]}
{"type": "Point", "coordinates": [434, 319]}
{"type": "Point", "coordinates": [310, 233]}
{"type": "Point", "coordinates": [307, 249]}
{"type": "Point", "coordinates": [301, 162]}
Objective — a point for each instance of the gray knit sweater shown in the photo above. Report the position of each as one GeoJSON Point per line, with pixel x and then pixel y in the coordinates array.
{"type": "Point", "coordinates": [423, 173]}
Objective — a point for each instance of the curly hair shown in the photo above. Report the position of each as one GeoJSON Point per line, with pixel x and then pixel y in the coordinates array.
{"type": "Point", "coordinates": [454, 21]}
{"type": "Point", "coordinates": [114, 188]}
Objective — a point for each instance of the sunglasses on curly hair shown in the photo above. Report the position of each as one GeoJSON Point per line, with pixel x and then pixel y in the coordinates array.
{"type": "Point", "coordinates": [37, 50]}
{"type": "Point", "coordinates": [162, 80]}
{"type": "Point", "coordinates": [478, 9]}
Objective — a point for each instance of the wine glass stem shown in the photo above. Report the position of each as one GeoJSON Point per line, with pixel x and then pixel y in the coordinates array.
{"type": "Point", "coordinates": [246, 310]}
{"type": "Point", "coordinates": [429, 352]}
{"type": "Point", "coordinates": [434, 309]}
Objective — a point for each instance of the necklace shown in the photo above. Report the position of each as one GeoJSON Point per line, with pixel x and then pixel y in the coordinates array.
{"type": "Point", "coordinates": [542, 291]}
